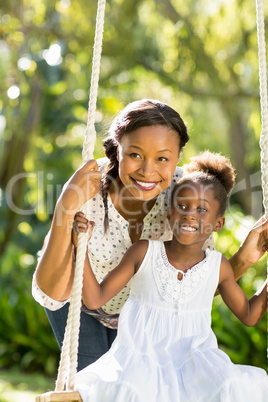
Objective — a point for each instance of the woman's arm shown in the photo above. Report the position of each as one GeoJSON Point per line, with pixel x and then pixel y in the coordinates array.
{"type": "Point", "coordinates": [54, 273]}
{"type": "Point", "coordinates": [97, 294]}
{"type": "Point", "coordinates": [252, 249]}
{"type": "Point", "coordinates": [250, 312]}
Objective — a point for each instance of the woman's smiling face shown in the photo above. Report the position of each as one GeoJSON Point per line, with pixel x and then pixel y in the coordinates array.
{"type": "Point", "coordinates": [147, 160]}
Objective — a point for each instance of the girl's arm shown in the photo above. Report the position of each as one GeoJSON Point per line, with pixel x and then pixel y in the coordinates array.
{"type": "Point", "coordinates": [95, 294]}
{"type": "Point", "coordinates": [249, 312]}
{"type": "Point", "coordinates": [54, 273]}
{"type": "Point", "coordinates": [252, 249]}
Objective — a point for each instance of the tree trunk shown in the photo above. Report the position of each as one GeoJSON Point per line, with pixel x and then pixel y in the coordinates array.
{"type": "Point", "coordinates": [15, 152]}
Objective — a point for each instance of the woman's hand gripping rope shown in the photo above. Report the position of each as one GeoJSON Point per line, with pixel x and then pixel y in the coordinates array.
{"type": "Point", "coordinates": [81, 225]}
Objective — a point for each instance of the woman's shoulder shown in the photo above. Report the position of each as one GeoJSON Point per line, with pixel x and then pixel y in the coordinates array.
{"type": "Point", "coordinates": [178, 172]}
{"type": "Point", "coordinates": [102, 163]}
{"type": "Point", "coordinates": [177, 175]}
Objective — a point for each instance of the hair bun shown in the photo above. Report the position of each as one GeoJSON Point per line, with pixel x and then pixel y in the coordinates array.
{"type": "Point", "coordinates": [216, 165]}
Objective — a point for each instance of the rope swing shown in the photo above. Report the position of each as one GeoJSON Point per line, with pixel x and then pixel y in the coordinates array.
{"type": "Point", "coordinates": [64, 390]}
{"type": "Point", "coordinates": [263, 101]}
{"type": "Point", "coordinates": [68, 362]}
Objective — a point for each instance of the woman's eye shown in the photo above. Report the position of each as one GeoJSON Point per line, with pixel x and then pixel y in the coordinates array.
{"type": "Point", "coordinates": [181, 206]}
{"type": "Point", "coordinates": [162, 159]}
{"type": "Point", "coordinates": [134, 155]}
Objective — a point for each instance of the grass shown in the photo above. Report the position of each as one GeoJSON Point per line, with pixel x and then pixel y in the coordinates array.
{"type": "Point", "coordinates": [16, 386]}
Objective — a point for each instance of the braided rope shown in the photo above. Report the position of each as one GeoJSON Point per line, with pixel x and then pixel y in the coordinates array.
{"type": "Point", "coordinates": [90, 135]}
{"type": "Point", "coordinates": [68, 362]}
{"type": "Point", "coordinates": [263, 100]}
{"type": "Point", "coordinates": [75, 307]}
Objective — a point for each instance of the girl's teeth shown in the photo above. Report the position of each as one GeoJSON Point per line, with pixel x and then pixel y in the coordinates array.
{"type": "Point", "coordinates": [189, 228]}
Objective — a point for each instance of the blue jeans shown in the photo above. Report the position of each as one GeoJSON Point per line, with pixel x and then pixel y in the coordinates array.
{"type": "Point", "coordinates": [94, 338]}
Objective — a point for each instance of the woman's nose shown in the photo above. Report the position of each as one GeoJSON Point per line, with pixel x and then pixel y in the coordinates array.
{"type": "Point", "coordinates": [147, 168]}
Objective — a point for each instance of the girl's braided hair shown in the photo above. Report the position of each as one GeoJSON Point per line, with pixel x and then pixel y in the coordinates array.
{"type": "Point", "coordinates": [142, 113]}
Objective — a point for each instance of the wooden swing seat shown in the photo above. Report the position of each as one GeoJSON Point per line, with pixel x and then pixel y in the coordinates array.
{"type": "Point", "coordinates": [59, 396]}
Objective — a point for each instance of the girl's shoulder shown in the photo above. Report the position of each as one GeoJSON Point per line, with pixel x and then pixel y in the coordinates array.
{"type": "Point", "coordinates": [225, 269]}
{"type": "Point", "coordinates": [136, 253]}
{"type": "Point", "coordinates": [140, 246]}
{"type": "Point", "coordinates": [144, 245]}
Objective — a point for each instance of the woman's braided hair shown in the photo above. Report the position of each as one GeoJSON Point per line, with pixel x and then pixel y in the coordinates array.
{"type": "Point", "coordinates": [142, 113]}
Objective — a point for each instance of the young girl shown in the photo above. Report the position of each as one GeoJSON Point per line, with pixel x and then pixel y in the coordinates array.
{"type": "Point", "coordinates": [165, 349]}
{"type": "Point", "coordinates": [143, 149]}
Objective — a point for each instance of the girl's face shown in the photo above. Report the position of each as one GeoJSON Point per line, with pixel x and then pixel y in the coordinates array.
{"type": "Point", "coordinates": [195, 213]}
{"type": "Point", "coordinates": [147, 160]}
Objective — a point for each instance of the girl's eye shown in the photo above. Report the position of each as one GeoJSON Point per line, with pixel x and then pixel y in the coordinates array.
{"type": "Point", "coordinates": [181, 207]}
{"type": "Point", "coordinates": [202, 209]}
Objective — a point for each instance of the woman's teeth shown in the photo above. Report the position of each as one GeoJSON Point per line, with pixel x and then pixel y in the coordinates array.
{"type": "Point", "coordinates": [146, 184]}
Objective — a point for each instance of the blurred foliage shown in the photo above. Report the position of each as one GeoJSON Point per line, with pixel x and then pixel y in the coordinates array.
{"type": "Point", "coordinates": [16, 386]}
{"type": "Point", "coordinates": [198, 56]}
{"type": "Point", "coordinates": [244, 345]}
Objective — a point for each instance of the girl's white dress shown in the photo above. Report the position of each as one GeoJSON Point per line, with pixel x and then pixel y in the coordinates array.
{"type": "Point", "coordinates": [165, 350]}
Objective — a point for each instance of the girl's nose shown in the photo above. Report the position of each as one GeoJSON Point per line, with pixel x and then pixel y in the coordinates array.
{"type": "Point", "coordinates": [189, 215]}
